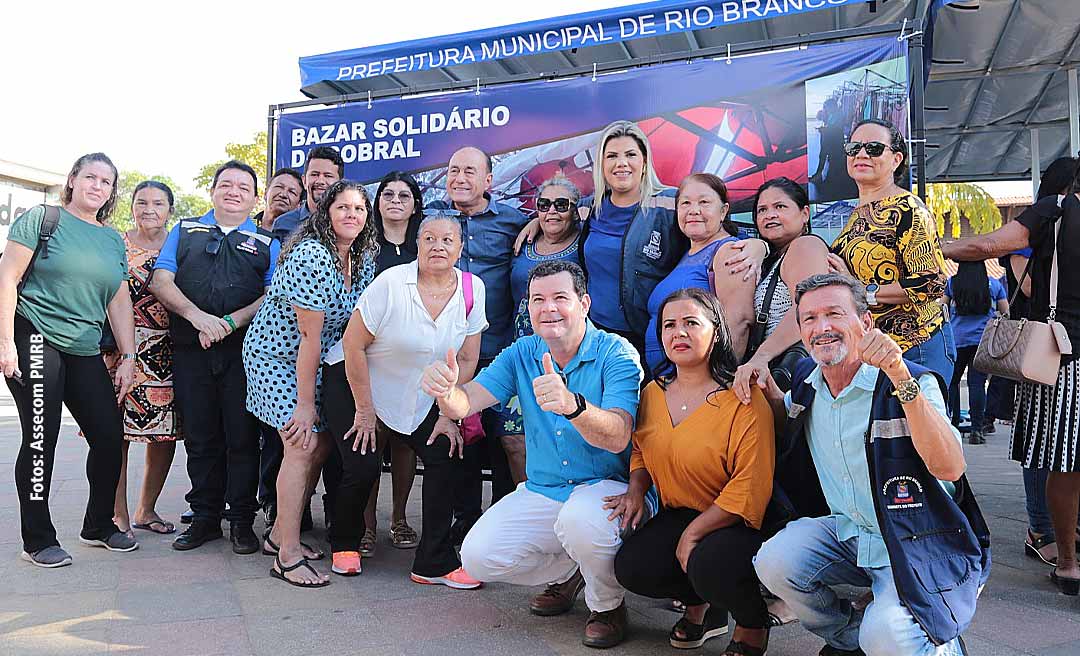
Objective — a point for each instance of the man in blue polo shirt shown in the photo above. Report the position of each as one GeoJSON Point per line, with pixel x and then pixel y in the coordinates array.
{"type": "Point", "coordinates": [488, 231]}
{"type": "Point", "coordinates": [578, 390]}
{"type": "Point", "coordinates": [211, 276]}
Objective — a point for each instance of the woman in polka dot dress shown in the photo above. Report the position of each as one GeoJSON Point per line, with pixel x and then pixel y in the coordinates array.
{"type": "Point", "coordinates": [320, 275]}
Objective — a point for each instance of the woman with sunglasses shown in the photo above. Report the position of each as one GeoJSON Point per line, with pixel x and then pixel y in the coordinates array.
{"type": "Point", "coordinates": [891, 244]}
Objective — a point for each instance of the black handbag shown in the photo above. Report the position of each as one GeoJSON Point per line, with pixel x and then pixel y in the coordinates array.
{"type": "Point", "coordinates": [782, 366]}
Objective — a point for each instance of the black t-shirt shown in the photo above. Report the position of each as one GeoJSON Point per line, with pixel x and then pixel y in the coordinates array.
{"type": "Point", "coordinates": [394, 254]}
{"type": "Point", "coordinates": [1040, 220]}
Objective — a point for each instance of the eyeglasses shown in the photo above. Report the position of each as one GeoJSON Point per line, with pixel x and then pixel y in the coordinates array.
{"type": "Point", "coordinates": [402, 197]}
{"type": "Point", "coordinates": [873, 148]}
{"type": "Point", "coordinates": [544, 204]}
{"type": "Point", "coordinates": [214, 245]}
{"type": "Point", "coordinates": [442, 211]}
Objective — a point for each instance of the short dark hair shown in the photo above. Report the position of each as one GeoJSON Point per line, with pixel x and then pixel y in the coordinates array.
{"type": "Point", "coordinates": [153, 184]}
{"type": "Point", "coordinates": [240, 166]}
{"type": "Point", "coordinates": [716, 183]}
{"type": "Point", "coordinates": [293, 173]}
{"type": "Point", "coordinates": [896, 141]}
{"type": "Point", "coordinates": [555, 267]}
{"type": "Point", "coordinates": [1058, 177]}
{"type": "Point", "coordinates": [329, 154]}
{"type": "Point", "coordinates": [105, 210]}
{"type": "Point", "coordinates": [822, 280]}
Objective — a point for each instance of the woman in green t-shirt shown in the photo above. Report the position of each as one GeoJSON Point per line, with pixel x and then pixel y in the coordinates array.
{"type": "Point", "coordinates": [50, 333]}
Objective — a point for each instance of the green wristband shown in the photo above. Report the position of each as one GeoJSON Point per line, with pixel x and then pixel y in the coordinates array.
{"type": "Point", "coordinates": [229, 320]}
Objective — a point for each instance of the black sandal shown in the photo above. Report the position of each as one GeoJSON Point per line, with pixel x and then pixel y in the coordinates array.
{"type": "Point", "coordinates": [1033, 544]}
{"type": "Point", "coordinates": [319, 555]}
{"type": "Point", "coordinates": [1068, 586]}
{"type": "Point", "coordinates": [736, 648]}
{"type": "Point", "coordinates": [695, 635]}
{"type": "Point", "coordinates": [282, 570]}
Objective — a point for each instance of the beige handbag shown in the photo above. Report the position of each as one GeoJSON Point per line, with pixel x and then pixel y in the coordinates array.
{"type": "Point", "coordinates": [1024, 350]}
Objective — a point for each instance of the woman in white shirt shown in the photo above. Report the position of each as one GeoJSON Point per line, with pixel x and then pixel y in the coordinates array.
{"type": "Point", "coordinates": [410, 315]}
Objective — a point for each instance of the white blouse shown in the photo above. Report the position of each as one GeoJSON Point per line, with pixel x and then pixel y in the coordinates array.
{"type": "Point", "coordinates": [407, 340]}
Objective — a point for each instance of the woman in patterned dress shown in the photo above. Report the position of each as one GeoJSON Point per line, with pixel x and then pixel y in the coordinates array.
{"type": "Point", "coordinates": [890, 243]}
{"type": "Point", "coordinates": [321, 272]}
{"type": "Point", "coordinates": [149, 412]}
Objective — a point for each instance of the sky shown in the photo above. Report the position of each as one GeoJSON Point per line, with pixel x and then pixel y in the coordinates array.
{"type": "Point", "coordinates": [163, 87]}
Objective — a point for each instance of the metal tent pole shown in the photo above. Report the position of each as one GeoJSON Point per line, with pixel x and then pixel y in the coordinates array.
{"type": "Point", "coordinates": [271, 119]}
{"type": "Point", "coordinates": [1074, 114]}
{"type": "Point", "coordinates": [918, 119]}
{"type": "Point", "coordinates": [1036, 173]}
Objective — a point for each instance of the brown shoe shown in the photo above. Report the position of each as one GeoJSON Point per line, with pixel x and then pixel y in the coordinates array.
{"type": "Point", "coordinates": [605, 629]}
{"type": "Point", "coordinates": [558, 597]}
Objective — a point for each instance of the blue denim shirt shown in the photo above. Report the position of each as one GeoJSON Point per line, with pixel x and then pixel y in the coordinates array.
{"type": "Point", "coordinates": [488, 251]}
{"type": "Point", "coordinates": [605, 370]}
{"type": "Point", "coordinates": [837, 438]}
{"type": "Point", "coordinates": [289, 222]}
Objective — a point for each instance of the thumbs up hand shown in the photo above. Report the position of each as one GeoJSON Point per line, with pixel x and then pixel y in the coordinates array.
{"type": "Point", "coordinates": [440, 377]}
{"type": "Point", "coordinates": [550, 390]}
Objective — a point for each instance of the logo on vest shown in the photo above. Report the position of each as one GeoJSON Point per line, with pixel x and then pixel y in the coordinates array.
{"type": "Point", "coordinates": [248, 246]}
{"type": "Point", "coordinates": [652, 249]}
{"type": "Point", "coordinates": [903, 493]}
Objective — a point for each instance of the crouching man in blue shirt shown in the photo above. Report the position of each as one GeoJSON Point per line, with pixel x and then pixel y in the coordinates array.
{"type": "Point", "coordinates": [872, 467]}
{"type": "Point", "coordinates": [578, 390]}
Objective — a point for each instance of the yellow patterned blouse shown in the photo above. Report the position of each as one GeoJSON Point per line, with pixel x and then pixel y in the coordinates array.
{"type": "Point", "coordinates": [895, 240]}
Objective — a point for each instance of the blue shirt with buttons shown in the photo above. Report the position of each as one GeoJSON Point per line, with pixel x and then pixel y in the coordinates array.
{"type": "Point", "coordinates": [837, 438]}
{"type": "Point", "coordinates": [289, 222]}
{"type": "Point", "coordinates": [487, 251]}
{"type": "Point", "coordinates": [166, 259]}
{"type": "Point", "coordinates": [605, 370]}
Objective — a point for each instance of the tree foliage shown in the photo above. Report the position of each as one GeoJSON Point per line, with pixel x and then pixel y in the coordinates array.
{"type": "Point", "coordinates": [186, 205]}
{"type": "Point", "coordinates": [953, 200]}
{"type": "Point", "coordinates": [253, 154]}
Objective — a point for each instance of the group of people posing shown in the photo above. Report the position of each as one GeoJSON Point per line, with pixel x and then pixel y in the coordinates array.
{"type": "Point", "coordinates": [633, 372]}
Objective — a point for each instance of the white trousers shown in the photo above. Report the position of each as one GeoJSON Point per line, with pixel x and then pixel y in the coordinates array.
{"type": "Point", "coordinates": [529, 539]}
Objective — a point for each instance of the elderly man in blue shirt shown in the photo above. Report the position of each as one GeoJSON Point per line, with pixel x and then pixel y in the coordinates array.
{"type": "Point", "coordinates": [889, 507]}
{"type": "Point", "coordinates": [578, 390]}
{"type": "Point", "coordinates": [488, 231]}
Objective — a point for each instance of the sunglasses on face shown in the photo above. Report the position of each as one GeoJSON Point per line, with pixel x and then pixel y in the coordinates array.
{"type": "Point", "coordinates": [544, 204]}
{"type": "Point", "coordinates": [873, 148]}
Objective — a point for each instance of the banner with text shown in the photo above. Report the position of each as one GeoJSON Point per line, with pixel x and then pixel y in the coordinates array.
{"type": "Point", "coordinates": [747, 120]}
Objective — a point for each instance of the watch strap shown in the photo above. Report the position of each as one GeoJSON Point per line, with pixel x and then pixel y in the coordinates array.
{"type": "Point", "coordinates": [580, 398]}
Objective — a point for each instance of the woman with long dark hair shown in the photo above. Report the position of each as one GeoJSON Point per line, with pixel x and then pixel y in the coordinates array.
{"type": "Point", "coordinates": [52, 310]}
{"type": "Point", "coordinates": [974, 297]}
{"type": "Point", "coordinates": [711, 457]}
{"type": "Point", "coordinates": [322, 270]}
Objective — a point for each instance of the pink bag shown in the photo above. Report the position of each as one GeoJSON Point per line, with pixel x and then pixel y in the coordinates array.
{"type": "Point", "coordinates": [472, 431]}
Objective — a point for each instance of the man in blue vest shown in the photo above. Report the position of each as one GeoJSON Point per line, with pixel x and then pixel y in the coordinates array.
{"type": "Point", "coordinates": [889, 507]}
{"type": "Point", "coordinates": [211, 275]}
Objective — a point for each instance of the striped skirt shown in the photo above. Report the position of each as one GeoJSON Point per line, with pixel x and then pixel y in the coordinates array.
{"type": "Point", "coordinates": [1047, 422]}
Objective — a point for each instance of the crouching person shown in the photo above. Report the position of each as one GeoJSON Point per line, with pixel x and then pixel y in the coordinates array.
{"type": "Point", "coordinates": [578, 390]}
{"type": "Point", "coordinates": [889, 507]}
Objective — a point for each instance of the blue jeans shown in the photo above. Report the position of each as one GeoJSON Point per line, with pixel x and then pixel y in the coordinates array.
{"type": "Point", "coordinates": [801, 562]}
{"type": "Point", "coordinates": [937, 353]}
{"type": "Point", "coordinates": [976, 384]}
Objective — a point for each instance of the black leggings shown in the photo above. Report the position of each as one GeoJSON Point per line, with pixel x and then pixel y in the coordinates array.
{"type": "Point", "coordinates": [720, 570]}
{"type": "Point", "coordinates": [51, 378]}
{"type": "Point", "coordinates": [435, 555]}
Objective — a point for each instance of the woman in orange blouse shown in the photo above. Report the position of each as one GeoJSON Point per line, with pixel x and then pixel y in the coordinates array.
{"type": "Point", "coordinates": [890, 243]}
{"type": "Point", "coordinates": [711, 458]}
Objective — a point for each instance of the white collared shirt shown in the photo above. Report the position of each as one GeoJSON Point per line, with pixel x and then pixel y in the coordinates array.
{"type": "Point", "coordinates": [407, 340]}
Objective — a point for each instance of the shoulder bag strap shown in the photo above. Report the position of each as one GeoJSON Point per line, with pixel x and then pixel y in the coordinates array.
{"type": "Point", "coordinates": [467, 290]}
{"type": "Point", "coordinates": [761, 319]}
{"type": "Point", "coordinates": [1053, 269]}
{"type": "Point", "coordinates": [45, 233]}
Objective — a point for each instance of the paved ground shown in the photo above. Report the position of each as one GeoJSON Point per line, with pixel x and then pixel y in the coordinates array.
{"type": "Point", "coordinates": [210, 601]}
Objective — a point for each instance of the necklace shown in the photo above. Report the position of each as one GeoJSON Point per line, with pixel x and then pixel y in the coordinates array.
{"type": "Point", "coordinates": [437, 293]}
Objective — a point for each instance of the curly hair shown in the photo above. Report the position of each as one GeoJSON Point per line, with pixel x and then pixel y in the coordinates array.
{"type": "Point", "coordinates": [319, 227]}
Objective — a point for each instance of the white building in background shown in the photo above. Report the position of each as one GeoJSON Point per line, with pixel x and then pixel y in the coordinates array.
{"type": "Point", "coordinates": [22, 187]}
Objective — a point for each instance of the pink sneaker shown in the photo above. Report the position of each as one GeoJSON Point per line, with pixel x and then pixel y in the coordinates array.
{"type": "Point", "coordinates": [346, 563]}
{"type": "Point", "coordinates": [458, 579]}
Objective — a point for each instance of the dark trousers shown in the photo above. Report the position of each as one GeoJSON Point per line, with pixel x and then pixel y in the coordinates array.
{"type": "Point", "coordinates": [976, 384]}
{"type": "Point", "coordinates": [435, 555]}
{"type": "Point", "coordinates": [1000, 396]}
{"type": "Point", "coordinates": [49, 379]}
{"type": "Point", "coordinates": [468, 488]}
{"type": "Point", "coordinates": [720, 570]}
{"type": "Point", "coordinates": [220, 435]}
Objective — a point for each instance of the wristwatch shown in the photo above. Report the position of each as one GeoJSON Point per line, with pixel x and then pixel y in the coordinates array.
{"type": "Point", "coordinates": [907, 391]}
{"type": "Point", "coordinates": [580, 399]}
{"type": "Point", "coordinates": [871, 293]}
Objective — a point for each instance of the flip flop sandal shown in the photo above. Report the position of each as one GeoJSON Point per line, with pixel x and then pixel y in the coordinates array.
{"type": "Point", "coordinates": [1033, 545]}
{"type": "Point", "coordinates": [166, 527]}
{"type": "Point", "coordinates": [319, 555]}
{"type": "Point", "coordinates": [282, 570]}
